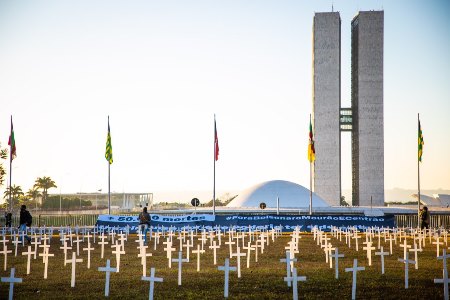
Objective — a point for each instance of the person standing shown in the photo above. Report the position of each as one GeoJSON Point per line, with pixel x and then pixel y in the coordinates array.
{"type": "Point", "coordinates": [144, 223]}
{"type": "Point", "coordinates": [25, 220]}
{"type": "Point", "coordinates": [8, 219]}
{"type": "Point", "coordinates": [424, 218]}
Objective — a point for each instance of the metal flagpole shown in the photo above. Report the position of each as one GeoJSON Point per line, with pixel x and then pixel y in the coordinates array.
{"type": "Point", "coordinates": [310, 177]}
{"type": "Point", "coordinates": [109, 174]}
{"type": "Point", "coordinates": [10, 166]}
{"type": "Point", "coordinates": [109, 188]}
{"type": "Point", "coordinates": [214, 177]}
{"type": "Point", "coordinates": [418, 174]}
{"type": "Point", "coordinates": [310, 188]}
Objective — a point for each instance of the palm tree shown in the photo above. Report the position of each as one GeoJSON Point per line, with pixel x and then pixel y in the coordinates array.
{"type": "Point", "coordinates": [16, 193]}
{"type": "Point", "coordinates": [34, 194]}
{"type": "Point", "coordinates": [45, 183]}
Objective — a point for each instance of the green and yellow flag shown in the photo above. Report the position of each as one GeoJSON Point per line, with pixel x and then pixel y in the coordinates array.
{"type": "Point", "coordinates": [311, 150]}
{"type": "Point", "coordinates": [421, 143]}
{"type": "Point", "coordinates": [108, 152]}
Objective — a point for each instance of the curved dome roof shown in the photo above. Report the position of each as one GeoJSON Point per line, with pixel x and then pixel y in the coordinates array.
{"type": "Point", "coordinates": [291, 195]}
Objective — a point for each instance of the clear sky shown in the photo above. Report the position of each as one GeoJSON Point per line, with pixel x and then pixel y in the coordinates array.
{"type": "Point", "coordinates": [161, 69]}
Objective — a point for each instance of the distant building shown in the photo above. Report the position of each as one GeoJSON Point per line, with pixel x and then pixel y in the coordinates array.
{"type": "Point", "coordinates": [364, 119]}
{"type": "Point", "coordinates": [290, 194]}
{"type": "Point", "coordinates": [437, 200]}
{"type": "Point", "coordinates": [327, 105]}
{"type": "Point", "coordinates": [367, 108]}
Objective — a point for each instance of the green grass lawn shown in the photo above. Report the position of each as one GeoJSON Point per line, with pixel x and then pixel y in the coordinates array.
{"type": "Point", "coordinates": [263, 280]}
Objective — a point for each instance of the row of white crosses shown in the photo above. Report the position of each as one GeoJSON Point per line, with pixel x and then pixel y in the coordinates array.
{"type": "Point", "coordinates": [381, 253]}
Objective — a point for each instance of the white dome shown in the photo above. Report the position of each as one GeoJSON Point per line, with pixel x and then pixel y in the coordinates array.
{"type": "Point", "coordinates": [291, 195]}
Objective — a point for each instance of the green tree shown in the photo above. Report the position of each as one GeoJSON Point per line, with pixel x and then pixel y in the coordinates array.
{"type": "Point", "coordinates": [16, 194]}
{"type": "Point", "coordinates": [45, 183]}
{"type": "Point", "coordinates": [3, 156]}
{"type": "Point", "coordinates": [33, 194]}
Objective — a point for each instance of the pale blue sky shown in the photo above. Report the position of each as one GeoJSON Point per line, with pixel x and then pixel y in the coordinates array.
{"type": "Point", "coordinates": [161, 69]}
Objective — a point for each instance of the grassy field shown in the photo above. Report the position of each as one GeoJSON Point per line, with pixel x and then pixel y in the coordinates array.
{"type": "Point", "coordinates": [263, 280]}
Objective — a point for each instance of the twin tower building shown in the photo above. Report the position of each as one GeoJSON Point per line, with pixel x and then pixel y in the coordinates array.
{"type": "Point", "coordinates": [364, 119]}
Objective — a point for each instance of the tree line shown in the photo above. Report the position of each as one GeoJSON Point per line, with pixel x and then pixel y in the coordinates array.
{"type": "Point", "coordinates": [39, 191]}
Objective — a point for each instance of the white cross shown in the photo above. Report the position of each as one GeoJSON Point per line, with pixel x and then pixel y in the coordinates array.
{"type": "Point", "coordinates": [11, 279]}
{"type": "Point", "coordinates": [227, 270]}
{"type": "Point", "coordinates": [390, 239]}
{"type": "Point", "coordinates": [118, 251]}
{"type": "Point", "coordinates": [406, 261]}
{"type": "Point", "coordinates": [65, 248]}
{"type": "Point", "coordinates": [152, 280]}
{"type": "Point", "coordinates": [28, 253]}
{"type": "Point", "coordinates": [180, 262]}
{"type": "Point", "coordinates": [289, 265]}
{"type": "Point", "coordinates": [102, 237]}
{"type": "Point", "coordinates": [143, 255]}
{"type": "Point", "coordinates": [77, 241]}
{"type": "Point", "coordinates": [214, 247]}
{"type": "Point", "coordinates": [405, 248]}
{"type": "Point", "coordinates": [15, 241]}
{"type": "Point", "coordinates": [88, 249]}
{"type": "Point", "coordinates": [74, 261]}
{"type": "Point", "coordinates": [294, 279]}
{"type": "Point", "coordinates": [169, 250]}
{"type": "Point", "coordinates": [369, 249]}
{"type": "Point", "coordinates": [382, 254]}
{"type": "Point", "coordinates": [230, 243]}
{"type": "Point", "coordinates": [356, 237]}
{"type": "Point", "coordinates": [238, 254]}
{"type": "Point", "coordinates": [188, 246]}
{"type": "Point", "coordinates": [5, 253]}
{"type": "Point", "coordinates": [437, 243]}
{"type": "Point", "coordinates": [445, 279]}
{"type": "Point", "coordinates": [108, 271]}
{"type": "Point", "coordinates": [198, 252]}
{"type": "Point", "coordinates": [336, 256]}
{"type": "Point", "coordinates": [415, 250]}
{"type": "Point", "coordinates": [45, 255]}
{"type": "Point", "coordinates": [355, 269]}
{"type": "Point", "coordinates": [249, 248]}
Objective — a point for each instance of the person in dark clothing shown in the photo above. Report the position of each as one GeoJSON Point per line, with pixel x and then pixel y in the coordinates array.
{"type": "Point", "coordinates": [25, 220]}
{"type": "Point", "coordinates": [8, 219]}
{"type": "Point", "coordinates": [144, 223]}
{"type": "Point", "coordinates": [424, 218]}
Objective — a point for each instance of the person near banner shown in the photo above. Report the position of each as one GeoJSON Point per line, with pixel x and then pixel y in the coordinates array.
{"type": "Point", "coordinates": [144, 223]}
{"type": "Point", "coordinates": [24, 221]}
{"type": "Point", "coordinates": [8, 219]}
{"type": "Point", "coordinates": [424, 218]}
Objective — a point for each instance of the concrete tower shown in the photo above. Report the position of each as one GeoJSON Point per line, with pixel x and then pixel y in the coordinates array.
{"type": "Point", "coordinates": [326, 105]}
{"type": "Point", "coordinates": [367, 108]}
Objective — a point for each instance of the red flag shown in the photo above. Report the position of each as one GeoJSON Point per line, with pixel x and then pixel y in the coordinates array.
{"type": "Point", "coordinates": [12, 143]}
{"type": "Point", "coordinates": [216, 143]}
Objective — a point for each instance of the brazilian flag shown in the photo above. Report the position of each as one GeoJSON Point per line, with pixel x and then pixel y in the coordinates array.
{"type": "Point", "coordinates": [108, 152]}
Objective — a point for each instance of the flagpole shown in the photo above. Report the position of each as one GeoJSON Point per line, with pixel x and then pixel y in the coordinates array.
{"type": "Point", "coordinates": [109, 179]}
{"type": "Point", "coordinates": [109, 188]}
{"type": "Point", "coordinates": [418, 175]}
{"type": "Point", "coordinates": [10, 167]}
{"type": "Point", "coordinates": [310, 179]}
{"type": "Point", "coordinates": [214, 176]}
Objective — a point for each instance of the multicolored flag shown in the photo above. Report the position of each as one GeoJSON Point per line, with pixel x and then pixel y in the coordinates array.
{"type": "Point", "coordinates": [108, 152]}
{"type": "Point", "coordinates": [216, 143]}
{"type": "Point", "coordinates": [311, 150]}
{"type": "Point", "coordinates": [421, 143]}
{"type": "Point", "coordinates": [12, 143]}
